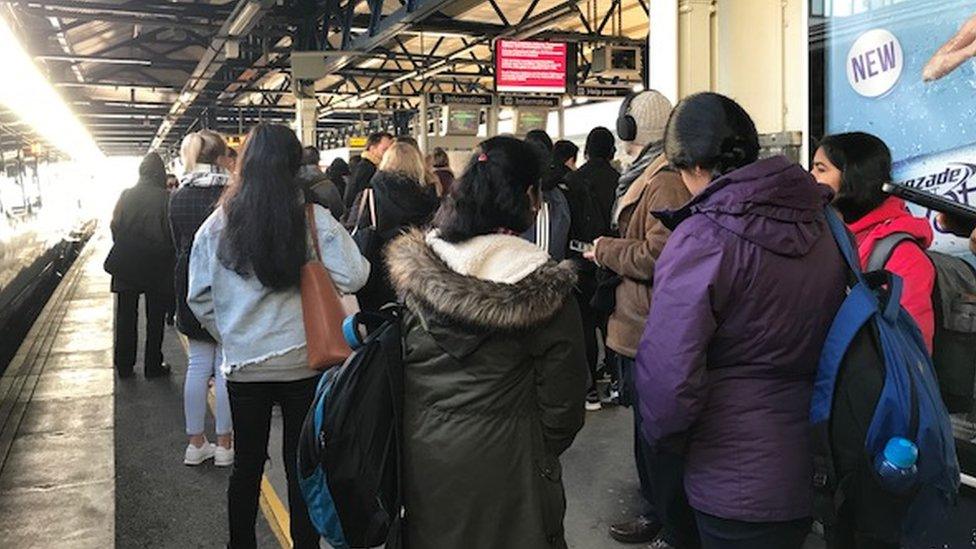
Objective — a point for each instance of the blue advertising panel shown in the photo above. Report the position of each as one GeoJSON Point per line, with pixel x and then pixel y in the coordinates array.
{"type": "Point", "coordinates": [906, 72]}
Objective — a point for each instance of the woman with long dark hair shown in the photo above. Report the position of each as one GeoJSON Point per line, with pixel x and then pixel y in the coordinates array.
{"type": "Point", "coordinates": [744, 293]}
{"type": "Point", "coordinates": [551, 228]}
{"type": "Point", "coordinates": [244, 288]}
{"type": "Point", "coordinates": [495, 372]}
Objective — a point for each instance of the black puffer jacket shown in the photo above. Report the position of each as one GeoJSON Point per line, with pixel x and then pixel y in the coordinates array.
{"type": "Point", "coordinates": [494, 385]}
{"type": "Point", "coordinates": [401, 204]}
{"type": "Point", "coordinates": [140, 234]}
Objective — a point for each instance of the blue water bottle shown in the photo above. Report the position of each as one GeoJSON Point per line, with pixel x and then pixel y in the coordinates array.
{"type": "Point", "coordinates": [896, 465]}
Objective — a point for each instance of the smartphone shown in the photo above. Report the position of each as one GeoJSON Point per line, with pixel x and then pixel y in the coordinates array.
{"type": "Point", "coordinates": [580, 246]}
{"type": "Point", "coordinates": [963, 212]}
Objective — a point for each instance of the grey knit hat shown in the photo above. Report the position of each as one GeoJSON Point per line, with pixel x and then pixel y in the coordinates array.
{"type": "Point", "coordinates": [650, 110]}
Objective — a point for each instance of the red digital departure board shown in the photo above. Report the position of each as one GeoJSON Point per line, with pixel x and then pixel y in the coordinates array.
{"type": "Point", "coordinates": [530, 66]}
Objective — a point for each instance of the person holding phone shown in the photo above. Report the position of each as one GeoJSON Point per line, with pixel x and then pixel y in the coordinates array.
{"type": "Point", "coordinates": [856, 165]}
{"type": "Point", "coordinates": [958, 227]}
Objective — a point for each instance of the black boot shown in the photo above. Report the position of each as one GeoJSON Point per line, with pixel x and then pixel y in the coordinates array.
{"type": "Point", "coordinates": [639, 530]}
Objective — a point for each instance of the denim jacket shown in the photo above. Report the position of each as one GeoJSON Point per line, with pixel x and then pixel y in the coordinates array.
{"type": "Point", "coordinates": [251, 321]}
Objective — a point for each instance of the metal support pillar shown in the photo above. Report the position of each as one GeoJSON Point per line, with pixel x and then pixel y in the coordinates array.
{"type": "Point", "coordinates": [422, 131]}
{"type": "Point", "coordinates": [561, 117]}
{"type": "Point", "coordinates": [306, 118]}
{"type": "Point", "coordinates": [493, 111]}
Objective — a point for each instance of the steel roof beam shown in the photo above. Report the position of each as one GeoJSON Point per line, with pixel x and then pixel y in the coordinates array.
{"type": "Point", "coordinates": [150, 63]}
{"type": "Point", "coordinates": [242, 19]}
{"type": "Point", "coordinates": [81, 18]}
{"type": "Point", "coordinates": [529, 27]}
{"type": "Point", "coordinates": [171, 10]}
{"type": "Point", "coordinates": [383, 30]}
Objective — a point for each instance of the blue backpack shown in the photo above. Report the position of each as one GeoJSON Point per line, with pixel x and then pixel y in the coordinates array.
{"type": "Point", "coordinates": [875, 381]}
{"type": "Point", "coordinates": [349, 448]}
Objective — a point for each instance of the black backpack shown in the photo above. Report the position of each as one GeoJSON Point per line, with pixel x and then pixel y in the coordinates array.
{"type": "Point", "coordinates": [954, 302]}
{"type": "Point", "coordinates": [350, 445]}
{"type": "Point", "coordinates": [588, 217]}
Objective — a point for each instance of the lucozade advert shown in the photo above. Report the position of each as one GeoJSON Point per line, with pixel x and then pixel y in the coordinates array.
{"type": "Point", "coordinates": [906, 72]}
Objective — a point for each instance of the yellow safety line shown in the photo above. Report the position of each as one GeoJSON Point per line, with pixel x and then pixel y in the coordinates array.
{"type": "Point", "coordinates": [274, 511]}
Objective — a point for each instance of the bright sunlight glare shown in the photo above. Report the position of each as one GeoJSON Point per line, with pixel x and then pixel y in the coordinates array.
{"type": "Point", "coordinates": [32, 98]}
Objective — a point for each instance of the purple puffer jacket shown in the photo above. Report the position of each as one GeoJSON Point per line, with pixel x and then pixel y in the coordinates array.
{"type": "Point", "coordinates": [744, 293]}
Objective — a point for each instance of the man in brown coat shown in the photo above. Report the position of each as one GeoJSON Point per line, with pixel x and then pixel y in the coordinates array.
{"type": "Point", "coordinates": [654, 187]}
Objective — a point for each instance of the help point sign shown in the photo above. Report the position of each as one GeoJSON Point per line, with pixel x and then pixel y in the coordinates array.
{"type": "Point", "coordinates": [874, 63]}
{"type": "Point", "coordinates": [530, 66]}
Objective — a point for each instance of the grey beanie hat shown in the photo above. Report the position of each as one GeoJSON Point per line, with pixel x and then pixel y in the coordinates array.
{"type": "Point", "coordinates": [651, 111]}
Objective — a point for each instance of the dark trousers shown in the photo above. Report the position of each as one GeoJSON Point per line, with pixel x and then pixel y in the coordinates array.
{"type": "Point", "coordinates": [250, 409]}
{"type": "Point", "coordinates": [591, 323]}
{"type": "Point", "coordinates": [628, 397]}
{"type": "Point", "coordinates": [127, 329]}
{"type": "Point", "coordinates": [720, 533]}
{"type": "Point", "coordinates": [661, 474]}
{"type": "Point", "coordinates": [666, 470]}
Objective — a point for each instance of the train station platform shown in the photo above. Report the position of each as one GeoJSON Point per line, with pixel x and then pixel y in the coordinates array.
{"type": "Point", "coordinates": [89, 460]}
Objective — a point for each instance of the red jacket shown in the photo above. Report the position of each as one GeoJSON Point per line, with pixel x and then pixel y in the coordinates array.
{"type": "Point", "coordinates": [907, 261]}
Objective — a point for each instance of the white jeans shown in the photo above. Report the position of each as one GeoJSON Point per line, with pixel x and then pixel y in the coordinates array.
{"type": "Point", "coordinates": [203, 363]}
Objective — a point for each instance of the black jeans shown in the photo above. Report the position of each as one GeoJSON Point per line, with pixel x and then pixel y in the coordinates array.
{"type": "Point", "coordinates": [591, 323]}
{"type": "Point", "coordinates": [127, 329]}
{"type": "Point", "coordinates": [720, 533]}
{"type": "Point", "coordinates": [250, 408]}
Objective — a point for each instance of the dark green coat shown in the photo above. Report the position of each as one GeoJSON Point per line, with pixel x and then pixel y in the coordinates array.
{"type": "Point", "coordinates": [495, 383]}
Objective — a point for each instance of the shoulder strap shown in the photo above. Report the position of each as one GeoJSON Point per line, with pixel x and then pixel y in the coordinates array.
{"type": "Point", "coordinates": [845, 242]}
{"type": "Point", "coordinates": [366, 199]}
{"type": "Point", "coordinates": [883, 249]}
{"type": "Point", "coordinates": [313, 230]}
{"type": "Point", "coordinates": [542, 227]}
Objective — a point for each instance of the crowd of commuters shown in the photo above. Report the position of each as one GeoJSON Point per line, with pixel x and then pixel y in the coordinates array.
{"type": "Point", "coordinates": [702, 279]}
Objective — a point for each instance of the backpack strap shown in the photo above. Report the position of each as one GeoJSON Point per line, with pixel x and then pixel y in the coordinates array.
{"type": "Point", "coordinates": [883, 248]}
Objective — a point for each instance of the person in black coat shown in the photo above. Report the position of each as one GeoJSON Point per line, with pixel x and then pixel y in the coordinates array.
{"type": "Point", "coordinates": [141, 263]}
{"type": "Point", "coordinates": [362, 173]}
{"type": "Point", "coordinates": [591, 194]}
{"type": "Point", "coordinates": [318, 186]}
{"type": "Point", "coordinates": [338, 172]}
{"type": "Point", "coordinates": [598, 174]}
{"type": "Point", "coordinates": [403, 200]}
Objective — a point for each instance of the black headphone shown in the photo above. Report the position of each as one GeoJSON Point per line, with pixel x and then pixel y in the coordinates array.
{"type": "Point", "coordinates": [626, 125]}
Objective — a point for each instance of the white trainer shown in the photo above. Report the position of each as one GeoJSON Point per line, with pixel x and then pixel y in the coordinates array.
{"type": "Point", "coordinates": [223, 457]}
{"type": "Point", "coordinates": [195, 455]}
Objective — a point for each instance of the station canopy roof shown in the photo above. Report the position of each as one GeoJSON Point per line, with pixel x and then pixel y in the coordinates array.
{"type": "Point", "coordinates": [141, 74]}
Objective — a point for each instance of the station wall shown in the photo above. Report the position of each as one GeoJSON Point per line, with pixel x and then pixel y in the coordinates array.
{"type": "Point", "coordinates": [754, 51]}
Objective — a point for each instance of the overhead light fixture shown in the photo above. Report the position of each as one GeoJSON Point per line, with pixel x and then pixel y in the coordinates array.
{"type": "Point", "coordinates": [243, 18]}
{"type": "Point", "coordinates": [33, 100]}
{"type": "Point", "coordinates": [638, 87]}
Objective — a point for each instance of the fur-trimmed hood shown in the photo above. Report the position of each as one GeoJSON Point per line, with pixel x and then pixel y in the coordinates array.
{"type": "Point", "coordinates": [430, 287]}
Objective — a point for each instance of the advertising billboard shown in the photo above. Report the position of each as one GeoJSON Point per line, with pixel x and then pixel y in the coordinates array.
{"type": "Point", "coordinates": [906, 72]}
{"type": "Point", "coordinates": [530, 66]}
